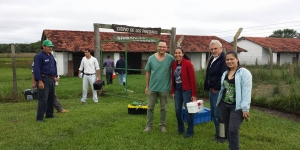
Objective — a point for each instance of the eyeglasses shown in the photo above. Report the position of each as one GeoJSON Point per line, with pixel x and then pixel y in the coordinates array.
{"type": "Point", "coordinates": [162, 47]}
{"type": "Point", "coordinates": [49, 46]}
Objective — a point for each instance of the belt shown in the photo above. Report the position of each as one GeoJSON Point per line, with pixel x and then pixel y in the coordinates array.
{"type": "Point", "coordinates": [46, 76]}
{"type": "Point", "coordinates": [88, 74]}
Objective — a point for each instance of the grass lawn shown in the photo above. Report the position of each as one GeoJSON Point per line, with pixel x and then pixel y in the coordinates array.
{"type": "Point", "coordinates": [107, 125]}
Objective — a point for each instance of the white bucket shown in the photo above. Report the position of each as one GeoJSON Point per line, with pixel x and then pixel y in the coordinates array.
{"type": "Point", "coordinates": [200, 105]}
{"type": "Point", "coordinates": [192, 107]}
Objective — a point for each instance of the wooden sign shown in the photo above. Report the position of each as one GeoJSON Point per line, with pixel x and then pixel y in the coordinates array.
{"type": "Point", "coordinates": [138, 30]}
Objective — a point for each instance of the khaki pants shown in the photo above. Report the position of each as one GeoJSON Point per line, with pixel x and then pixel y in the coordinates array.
{"type": "Point", "coordinates": [152, 97]}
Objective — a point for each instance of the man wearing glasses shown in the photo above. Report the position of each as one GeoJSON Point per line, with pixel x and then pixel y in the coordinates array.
{"type": "Point", "coordinates": [45, 74]}
{"type": "Point", "coordinates": [90, 65]}
{"type": "Point", "coordinates": [158, 84]}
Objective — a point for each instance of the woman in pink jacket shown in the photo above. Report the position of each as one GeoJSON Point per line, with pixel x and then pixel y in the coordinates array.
{"type": "Point", "coordinates": [183, 89]}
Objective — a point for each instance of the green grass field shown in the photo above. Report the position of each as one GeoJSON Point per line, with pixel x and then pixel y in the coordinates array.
{"type": "Point", "coordinates": [107, 125]}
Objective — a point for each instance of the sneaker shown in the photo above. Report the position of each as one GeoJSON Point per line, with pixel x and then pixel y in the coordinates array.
{"type": "Point", "coordinates": [147, 129]}
{"type": "Point", "coordinates": [221, 140]}
{"type": "Point", "coordinates": [82, 102]}
{"type": "Point", "coordinates": [124, 83]}
{"type": "Point", "coordinates": [187, 136]}
{"type": "Point", "coordinates": [64, 111]}
{"type": "Point", "coordinates": [163, 129]}
{"type": "Point", "coordinates": [49, 117]}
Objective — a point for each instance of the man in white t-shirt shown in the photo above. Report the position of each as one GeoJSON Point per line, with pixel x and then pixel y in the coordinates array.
{"type": "Point", "coordinates": [90, 66]}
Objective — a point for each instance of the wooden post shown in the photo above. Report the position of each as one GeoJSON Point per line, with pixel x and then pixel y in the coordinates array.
{"type": "Point", "coordinates": [271, 60]}
{"type": "Point", "coordinates": [172, 41]}
{"type": "Point", "coordinates": [97, 42]}
{"type": "Point", "coordinates": [235, 39]}
{"type": "Point", "coordinates": [15, 91]}
{"type": "Point", "coordinates": [179, 41]}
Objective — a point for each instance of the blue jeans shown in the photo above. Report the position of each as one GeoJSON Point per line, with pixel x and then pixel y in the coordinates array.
{"type": "Point", "coordinates": [122, 78]}
{"type": "Point", "coordinates": [45, 99]}
{"type": "Point", "coordinates": [214, 110]}
{"type": "Point", "coordinates": [183, 97]}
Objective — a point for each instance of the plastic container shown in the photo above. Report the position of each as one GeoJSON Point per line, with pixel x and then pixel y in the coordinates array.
{"type": "Point", "coordinates": [138, 110]}
{"type": "Point", "coordinates": [200, 117]}
{"type": "Point", "coordinates": [200, 105]}
{"type": "Point", "coordinates": [192, 107]}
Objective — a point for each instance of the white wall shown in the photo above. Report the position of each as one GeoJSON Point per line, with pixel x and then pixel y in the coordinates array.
{"type": "Point", "coordinates": [61, 62]}
{"type": "Point", "coordinates": [145, 56]}
{"type": "Point", "coordinates": [254, 52]}
{"type": "Point", "coordinates": [286, 58]}
{"type": "Point", "coordinates": [198, 59]}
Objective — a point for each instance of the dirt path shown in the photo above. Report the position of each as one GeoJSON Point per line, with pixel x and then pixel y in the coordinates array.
{"type": "Point", "coordinates": [279, 113]}
{"type": "Point", "coordinates": [270, 111]}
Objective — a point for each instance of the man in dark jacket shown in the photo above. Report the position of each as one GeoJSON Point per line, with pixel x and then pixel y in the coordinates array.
{"type": "Point", "coordinates": [212, 84]}
{"type": "Point", "coordinates": [109, 64]}
{"type": "Point", "coordinates": [121, 63]}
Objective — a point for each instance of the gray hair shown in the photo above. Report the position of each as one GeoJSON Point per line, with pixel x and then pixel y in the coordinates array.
{"type": "Point", "coordinates": [213, 42]}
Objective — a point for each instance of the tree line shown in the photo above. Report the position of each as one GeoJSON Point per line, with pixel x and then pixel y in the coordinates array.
{"type": "Point", "coordinates": [285, 33]}
{"type": "Point", "coordinates": [21, 48]}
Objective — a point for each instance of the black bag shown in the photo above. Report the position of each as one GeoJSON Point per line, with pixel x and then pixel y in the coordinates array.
{"type": "Point", "coordinates": [98, 85]}
{"type": "Point", "coordinates": [31, 94]}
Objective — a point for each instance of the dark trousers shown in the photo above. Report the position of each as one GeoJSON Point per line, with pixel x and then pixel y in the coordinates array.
{"type": "Point", "coordinates": [232, 119]}
{"type": "Point", "coordinates": [109, 77]}
{"type": "Point", "coordinates": [45, 99]}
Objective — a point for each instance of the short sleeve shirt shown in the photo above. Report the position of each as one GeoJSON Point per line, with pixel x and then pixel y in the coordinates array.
{"type": "Point", "coordinates": [160, 77]}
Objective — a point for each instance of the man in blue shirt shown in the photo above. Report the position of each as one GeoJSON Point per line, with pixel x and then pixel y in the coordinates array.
{"type": "Point", "coordinates": [45, 74]}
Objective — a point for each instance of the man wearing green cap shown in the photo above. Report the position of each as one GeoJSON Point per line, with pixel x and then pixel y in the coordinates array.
{"type": "Point", "coordinates": [45, 74]}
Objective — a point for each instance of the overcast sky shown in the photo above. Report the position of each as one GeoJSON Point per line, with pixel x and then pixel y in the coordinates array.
{"type": "Point", "coordinates": [22, 21]}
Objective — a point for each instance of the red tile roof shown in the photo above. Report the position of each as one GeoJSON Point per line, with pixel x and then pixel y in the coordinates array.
{"type": "Point", "coordinates": [279, 45]}
{"type": "Point", "coordinates": [75, 41]}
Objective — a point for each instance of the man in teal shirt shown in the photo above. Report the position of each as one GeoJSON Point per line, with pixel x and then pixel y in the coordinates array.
{"type": "Point", "coordinates": [158, 83]}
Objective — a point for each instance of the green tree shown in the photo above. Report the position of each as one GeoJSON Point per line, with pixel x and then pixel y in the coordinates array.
{"type": "Point", "coordinates": [36, 47]}
{"type": "Point", "coordinates": [285, 33]}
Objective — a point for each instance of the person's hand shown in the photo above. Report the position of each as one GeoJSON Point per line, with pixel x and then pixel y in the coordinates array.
{"type": "Point", "coordinates": [194, 98]}
{"type": "Point", "coordinates": [33, 85]}
{"type": "Point", "coordinates": [173, 95]}
{"type": "Point", "coordinates": [146, 90]}
{"type": "Point", "coordinates": [213, 90]}
{"type": "Point", "coordinates": [56, 79]}
{"type": "Point", "coordinates": [98, 79]}
{"type": "Point", "coordinates": [246, 115]}
{"type": "Point", "coordinates": [41, 85]}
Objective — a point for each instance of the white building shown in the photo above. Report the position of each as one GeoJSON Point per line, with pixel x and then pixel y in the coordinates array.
{"type": "Point", "coordinates": [284, 50]}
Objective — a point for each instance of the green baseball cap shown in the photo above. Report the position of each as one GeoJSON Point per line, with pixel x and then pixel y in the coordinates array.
{"type": "Point", "coordinates": [47, 43]}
